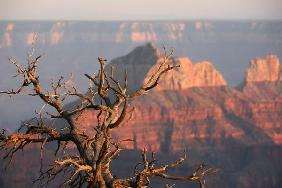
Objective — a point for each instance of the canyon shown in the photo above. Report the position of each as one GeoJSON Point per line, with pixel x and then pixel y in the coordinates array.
{"type": "Point", "coordinates": [236, 127]}
{"type": "Point", "coordinates": [194, 108]}
{"type": "Point", "coordinates": [73, 46]}
{"type": "Point", "coordinates": [195, 102]}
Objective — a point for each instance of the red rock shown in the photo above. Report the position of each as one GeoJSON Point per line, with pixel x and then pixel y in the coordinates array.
{"type": "Point", "coordinates": [265, 69]}
{"type": "Point", "coordinates": [193, 105]}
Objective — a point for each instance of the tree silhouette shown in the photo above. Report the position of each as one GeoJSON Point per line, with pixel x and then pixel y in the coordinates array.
{"type": "Point", "coordinates": [91, 166]}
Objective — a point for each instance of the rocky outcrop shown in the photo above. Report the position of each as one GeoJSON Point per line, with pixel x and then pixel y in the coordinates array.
{"type": "Point", "coordinates": [188, 75]}
{"type": "Point", "coordinates": [262, 89]}
{"type": "Point", "coordinates": [136, 64]}
{"type": "Point", "coordinates": [194, 106]}
{"type": "Point", "coordinates": [142, 62]}
{"type": "Point", "coordinates": [266, 69]}
{"type": "Point", "coordinates": [263, 79]}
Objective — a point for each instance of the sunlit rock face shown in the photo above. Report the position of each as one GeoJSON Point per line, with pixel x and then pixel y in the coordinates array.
{"type": "Point", "coordinates": [266, 69]}
{"type": "Point", "coordinates": [189, 74]}
{"type": "Point", "coordinates": [262, 87]}
{"type": "Point", "coordinates": [263, 79]}
{"type": "Point", "coordinates": [194, 108]}
{"type": "Point", "coordinates": [143, 61]}
{"type": "Point", "coordinates": [193, 105]}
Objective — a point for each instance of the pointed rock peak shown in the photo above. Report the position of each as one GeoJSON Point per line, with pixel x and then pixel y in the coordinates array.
{"type": "Point", "coordinates": [147, 49]}
{"type": "Point", "coordinates": [137, 63]}
{"type": "Point", "coordinates": [150, 45]}
{"type": "Point", "coordinates": [146, 54]}
{"type": "Point", "coordinates": [266, 69]}
{"type": "Point", "coordinates": [143, 61]}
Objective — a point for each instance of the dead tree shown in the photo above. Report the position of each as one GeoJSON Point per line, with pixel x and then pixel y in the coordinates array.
{"type": "Point", "coordinates": [110, 98]}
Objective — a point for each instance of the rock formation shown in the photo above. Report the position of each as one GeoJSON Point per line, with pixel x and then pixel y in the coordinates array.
{"type": "Point", "coordinates": [265, 69]}
{"type": "Point", "coordinates": [188, 75]}
{"type": "Point", "coordinates": [194, 108]}
{"type": "Point", "coordinates": [238, 130]}
{"type": "Point", "coordinates": [263, 79]}
{"type": "Point", "coordinates": [193, 104]}
{"type": "Point", "coordinates": [144, 59]}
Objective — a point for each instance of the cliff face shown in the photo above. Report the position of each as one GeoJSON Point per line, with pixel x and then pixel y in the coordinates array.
{"type": "Point", "coordinates": [73, 46]}
{"type": "Point", "coordinates": [136, 64]}
{"type": "Point", "coordinates": [263, 91]}
{"type": "Point", "coordinates": [193, 105]}
{"type": "Point", "coordinates": [142, 62]}
{"type": "Point", "coordinates": [188, 75]}
{"type": "Point", "coordinates": [263, 79]}
{"type": "Point", "coordinates": [265, 69]}
{"type": "Point", "coordinates": [238, 130]}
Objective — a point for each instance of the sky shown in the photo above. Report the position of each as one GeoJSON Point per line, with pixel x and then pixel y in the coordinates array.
{"type": "Point", "coordinates": [139, 9]}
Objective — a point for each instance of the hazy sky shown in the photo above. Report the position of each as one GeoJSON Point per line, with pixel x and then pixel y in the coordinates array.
{"type": "Point", "coordinates": [140, 9]}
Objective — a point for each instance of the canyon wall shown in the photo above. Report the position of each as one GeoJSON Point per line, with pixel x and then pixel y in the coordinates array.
{"type": "Point", "coordinates": [194, 108]}
{"type": "Point", "coordinates": [194, 103]}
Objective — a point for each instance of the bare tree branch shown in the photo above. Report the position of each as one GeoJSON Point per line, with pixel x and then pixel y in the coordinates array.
{"type": "Point", "coordinates": [110, 99]}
